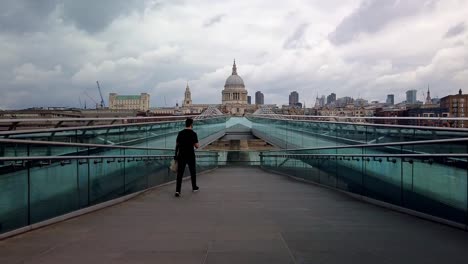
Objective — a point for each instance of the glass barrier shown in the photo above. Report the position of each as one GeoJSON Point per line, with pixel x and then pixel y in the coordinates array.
{"type": "Point", "coordinates": [433, 184]}
{"type": "Point", "coordinates": [314, 134]}
{"type": "Point", "coordinates": [239, 158]}
{"type": "Point", "coordinates": [156, 135]}
{"type": "Point", "coordinates": [36, 190]}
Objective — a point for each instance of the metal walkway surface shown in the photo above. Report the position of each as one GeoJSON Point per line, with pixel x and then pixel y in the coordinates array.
{"type": "Point", "coordinates": [241, 215]}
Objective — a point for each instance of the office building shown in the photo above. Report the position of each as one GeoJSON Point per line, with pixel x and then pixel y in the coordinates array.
{"type": "Point", "coordinates": [344, 101]}
{"type": "Point", "coordinates": [293, 98]}
{"type": "Point", "coordinates": [259, 98]}
{"type": "Point", "coordinates": [331, 99]}
{"type": "Point", "coordinates": [411, 97]}
{"type": "Point", "coordinates": [390, 99]}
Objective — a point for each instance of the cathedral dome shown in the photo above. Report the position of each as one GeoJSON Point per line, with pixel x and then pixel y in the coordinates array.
{"type": "Point", "coordinates": [234, 81]}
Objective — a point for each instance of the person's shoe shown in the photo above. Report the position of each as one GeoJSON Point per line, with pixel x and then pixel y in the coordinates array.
{"type": "Point", "coordinates": [177, 194]}
{"type": "Point", "coordinates": [196, 189]}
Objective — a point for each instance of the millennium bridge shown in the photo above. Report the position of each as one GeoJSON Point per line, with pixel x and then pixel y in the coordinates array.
{"type": "Point", "coordinates": [100, 190]}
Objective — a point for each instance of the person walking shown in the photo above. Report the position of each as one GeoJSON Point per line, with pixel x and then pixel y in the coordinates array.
{"type": "Point", "coordinates": [186, 142]}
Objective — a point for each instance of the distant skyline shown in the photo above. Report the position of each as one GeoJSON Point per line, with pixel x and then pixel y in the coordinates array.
{"type": "Point", "coordinates": [52, 52]}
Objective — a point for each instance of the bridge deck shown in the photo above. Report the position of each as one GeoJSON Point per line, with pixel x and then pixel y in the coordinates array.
{"type": "Point", "coordinates": [241, 215]}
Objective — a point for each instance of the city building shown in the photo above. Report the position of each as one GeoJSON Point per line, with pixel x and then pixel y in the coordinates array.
{"type": "Point", "coordinates": [187, 108]}
{"type": "Point", "coordinates": [249, 99]}
{"type": "Point", "coordinates": [234, 100]}
{"type": "Point", "coordinates": [426, 112]}
{"type": "Point", "coordinates": [293, 98]}
{"type": "Point", "coordinates": [323, 100]}
{"type": "Point", "coordinates": [259, 98]}
{"type": "Point", "coordinates": [331, 99]}
{"type": "Point", "coordinates": [411, 97]}
{"type": "Point", "coordinates": [234, 94]}
{"type": "Point", "coordinates": [317, 103]}
{"type": "Point", "coordinates": [457, 106]}
{"type": "Point", "coordinates": [390, 99]}
{"type": "Point", "coordinates": [361, 102]}
{"type": "Point", "coordinates": [344, 101]}
{"type": "Point", "coordinates": [129, 102]}
{"type": "Point", "coordinates": [348, 111]}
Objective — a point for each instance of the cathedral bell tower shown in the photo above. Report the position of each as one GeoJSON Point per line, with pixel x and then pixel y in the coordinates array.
{"type": "Point", "coordinates": [428, 97]}
{"type": "Point", "coordinates": [187, 97]}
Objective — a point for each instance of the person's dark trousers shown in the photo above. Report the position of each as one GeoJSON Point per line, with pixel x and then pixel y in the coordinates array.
{"type": "Point", "coordinates": [180, 172]}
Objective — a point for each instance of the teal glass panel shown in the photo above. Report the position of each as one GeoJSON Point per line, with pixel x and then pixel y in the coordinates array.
{"type": "Point", "coordinates": [206, 162]}
{"type": "Point", "coordinates": [327, 167]}
{"type": "Point", "coordinates": [13, 197]}
{"type": "Point", "coordinates": [382, 177]}
{"type": "Point", "coordinates": [437, 187]}
{"type": "Point", "coordinates": [239, 158]}
{"type": "Point", "coordinates": [309, 170]}
{"type": "Point", "coordinates": [349, 170]}
{"type": "Point", "coordinates": [83, 183]}
{"type": "Point", "coordinates": [54, 189]}
{"type": "Point", "coordinates": [137, 173]}
{"type": "Point", "coordinates": [49, 150]}
{"type": "Point", "coordinates": [434, 148]}
{"type": "Point", "coordinates": [158, 172]}
{"type": "Point", "coordinates": [103, 136]}
{"type": "Point", "coordinates": [107, 179]}
{"type": "Point", "coordinates": [13, 150]}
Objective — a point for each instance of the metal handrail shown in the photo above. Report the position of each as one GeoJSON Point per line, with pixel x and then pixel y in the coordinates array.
{"type": "Point", "coordinates": [92, 119]}
{"type": "Point", "coordinates": [66, 144]}
{"type": "Point", "coordinates": [60, 129]}
{"type": "Point", "coordinates": [375, 117]}
{"type": "Point", "coordinates": [35, 158]}
{"type": "Point", "coordinates": [456, 129]}
{"type": "Point", "coordinates": [456, 155]}
{"type": "Point", "coordinates": [390, 144]}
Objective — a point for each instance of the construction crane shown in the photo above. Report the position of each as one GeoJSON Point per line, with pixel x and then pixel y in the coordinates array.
{"type": "Point", "coordinates": [91, 99]}
{"type": "Point", "coordinates": [100, 94]}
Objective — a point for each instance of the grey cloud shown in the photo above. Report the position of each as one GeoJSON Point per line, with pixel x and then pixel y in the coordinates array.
{"type": "Point", "coordinates": [456, 30]}
{"type": "Point", "coordinates": [373, 15]}
{"type": "Point", "coordinates": [214, 20]}
{"type": "Point", "coordinates": [93, 16]}
{"type": "Point", "coordinates": [297, 38]}
{"type": "Point", "coordinates": [40, 69]}
{"type": "Point", "coordinates": [18, 16]}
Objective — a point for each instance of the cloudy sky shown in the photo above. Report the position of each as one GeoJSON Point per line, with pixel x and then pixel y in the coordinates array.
{"type": "Point", "coordinates": [53, 51]}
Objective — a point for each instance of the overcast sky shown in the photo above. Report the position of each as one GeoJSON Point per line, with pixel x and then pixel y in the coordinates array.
{"type": "Point", "coordinates": [53, 51]}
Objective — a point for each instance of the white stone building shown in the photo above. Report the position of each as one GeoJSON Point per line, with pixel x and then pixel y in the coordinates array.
{"type": "Point", "coordinates": [129, 102]}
